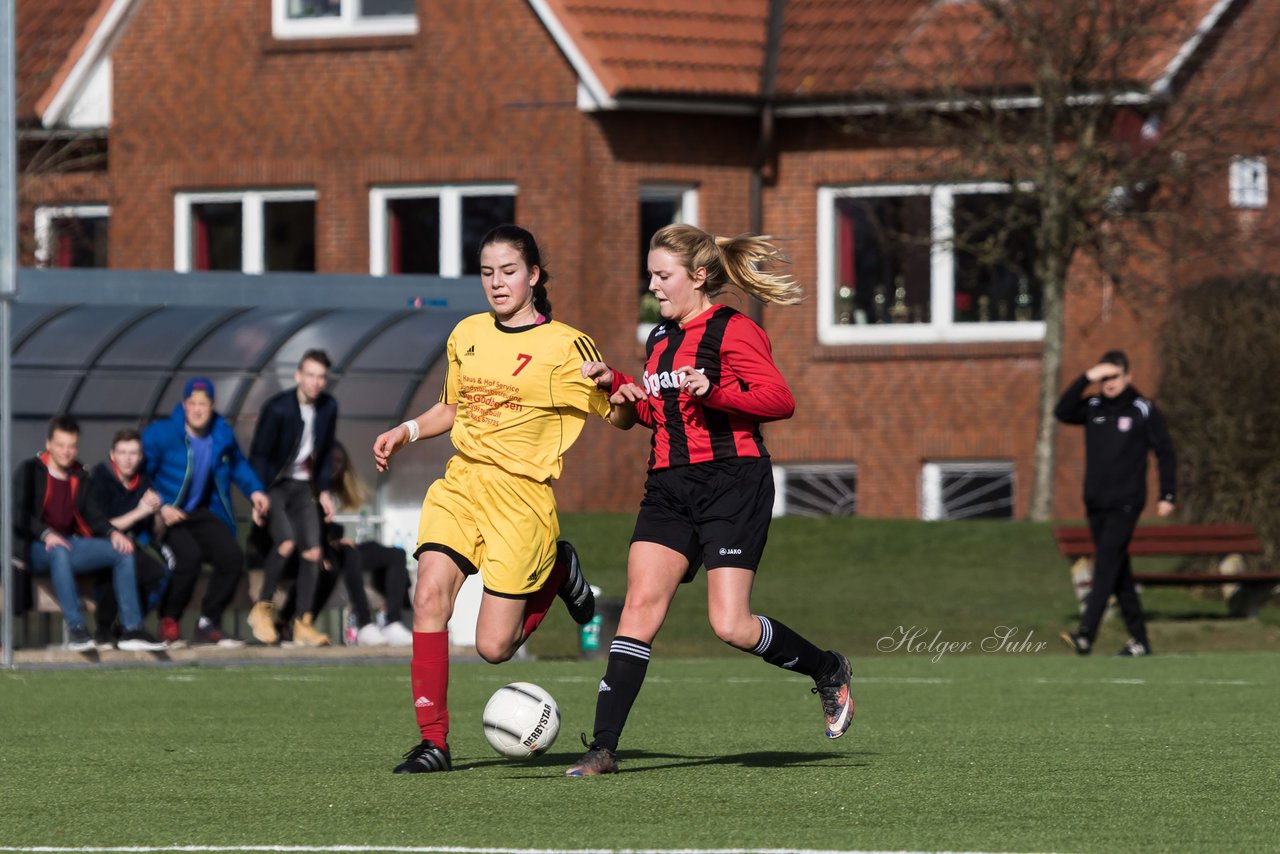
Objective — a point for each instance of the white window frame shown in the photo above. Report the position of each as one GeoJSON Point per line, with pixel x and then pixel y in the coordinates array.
{"type": "Point", "coordinates": [932, 507]}
{"type": "Point", "coordinates": [47, 214]}
{"type": "Point", "coordinates": [348, 24]}
{"type": "Point", "coordinates": [252, 245]}
{"type": "Point", "coordinates": [782, 474]}
{"type": "Point", "coordinates": [688, 197]}
{"type": "Point", "coordinates": [450, 196]}
{"type": "Point", "coordinates": [1247, 183]}
{"type": "Point", "coordinates": [942, 327]}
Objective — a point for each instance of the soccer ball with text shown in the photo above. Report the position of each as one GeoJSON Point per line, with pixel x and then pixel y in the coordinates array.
{"type": "Point", "coordinates": [521, 720]}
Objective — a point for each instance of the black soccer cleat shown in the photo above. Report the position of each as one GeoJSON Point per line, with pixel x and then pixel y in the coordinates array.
{"type": "Point", "coordinates": [595, 762]}
{"type": "Point", "coordinates": [425, 758]}
{"type": "Point", "coordinates": [837, 702]}
{"type": "Point", "coordinates": [574, 590]}
{"type": "Point", "coordinates": [1081, 644]}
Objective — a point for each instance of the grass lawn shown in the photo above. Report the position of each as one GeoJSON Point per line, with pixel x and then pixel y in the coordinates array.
{"type": "Point", "coordinates": [962, 741]}
{"type": "Point", "coordinates": [983, 752]}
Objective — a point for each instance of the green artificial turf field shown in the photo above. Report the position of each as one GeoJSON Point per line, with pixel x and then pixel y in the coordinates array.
{"type": "Point", "coordinates": [986, 752]}
{"type": "Point", "coordinates": [1017, 746]}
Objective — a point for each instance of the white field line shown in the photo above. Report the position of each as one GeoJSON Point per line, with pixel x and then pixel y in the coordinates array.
{"type": "Point", "coordinates": [433, 849]}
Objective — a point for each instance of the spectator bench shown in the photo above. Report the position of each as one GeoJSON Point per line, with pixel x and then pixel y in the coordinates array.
{"type": "Point", "coordinates": [1224, 545]}
{"type": "Point", "coordinates": [45, 601]}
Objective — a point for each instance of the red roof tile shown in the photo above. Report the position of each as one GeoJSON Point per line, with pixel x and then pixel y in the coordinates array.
{"type": "Point", "coordinates": [48, 32]}
{"type": "Point", "coordinates": [836, 49]}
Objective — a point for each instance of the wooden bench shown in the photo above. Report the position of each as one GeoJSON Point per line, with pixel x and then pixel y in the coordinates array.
{"type": "Point", "coordinates": [1225, 545]}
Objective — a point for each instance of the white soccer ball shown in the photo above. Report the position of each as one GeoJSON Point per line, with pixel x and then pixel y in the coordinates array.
{"type": "Point", "coordinates": [521, 720]}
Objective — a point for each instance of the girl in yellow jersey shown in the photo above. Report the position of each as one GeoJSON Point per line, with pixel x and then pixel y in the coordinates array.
{"type": "Point", "coordinates": [513, 402]}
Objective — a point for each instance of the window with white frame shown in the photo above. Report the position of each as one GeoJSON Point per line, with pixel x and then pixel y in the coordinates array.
{"type": "Point", "coordinates": [253, 231]}
{"type": "Point", "coordinates": [660, 205]}
{"type": "Point", "coordinates": [434, 230]}
{"type": "Point", "coordinates": [815, 489]}
{"type": "Point", "coordinates": [927, 263]}
{"type": "Point", "coordinates": [1248, 182]}
{"type": "Point", "coordinates": [71, 235]}
{"type": "Point", "coordinates": [957, 489]}
{"type": "Point", "coordinates": [292, 19]}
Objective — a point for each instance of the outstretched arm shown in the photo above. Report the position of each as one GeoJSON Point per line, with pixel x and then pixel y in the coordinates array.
{"type": "Point", "coordinates": [436, 420]}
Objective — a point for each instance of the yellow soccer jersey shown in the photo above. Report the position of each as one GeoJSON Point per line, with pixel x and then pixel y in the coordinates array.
{"type": "Point", "coordinates": [522, 400]}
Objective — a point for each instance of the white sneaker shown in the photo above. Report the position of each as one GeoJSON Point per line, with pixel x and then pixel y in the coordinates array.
{"type": "Point", "coordinates": [397, 635]}
{"type": "Point", "coordinates": [370, 635]}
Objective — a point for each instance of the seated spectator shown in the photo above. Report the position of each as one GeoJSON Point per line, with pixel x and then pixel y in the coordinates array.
{"type": "Point", "coordinates": [192, 458]}
{"type": "Point", "coordinates": [387, 566]}
{"type": "Point", "coordinates": [122, 491]}
{"type": "Point", "coordinates": [60, 533]}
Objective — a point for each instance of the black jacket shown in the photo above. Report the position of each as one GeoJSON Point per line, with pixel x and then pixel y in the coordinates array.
{"type": "Point", "coordinates": [279, 433]}
{"type": "Point", "coordinates": [30, 484]}
{"type": "Point", "coordinates": [1119, 434]}
{"type": "Point", "coordinates": [112, 498]}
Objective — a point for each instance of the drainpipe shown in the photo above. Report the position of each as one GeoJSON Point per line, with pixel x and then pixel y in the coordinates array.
{"type": "Point", "coordinates": [764, 140]}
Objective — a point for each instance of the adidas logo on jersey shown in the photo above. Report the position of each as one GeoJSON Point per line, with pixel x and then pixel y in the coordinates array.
{"type": "Point", "coordinates": [422, 703]}
{"type": "Point", "coordinates": [471, 351]}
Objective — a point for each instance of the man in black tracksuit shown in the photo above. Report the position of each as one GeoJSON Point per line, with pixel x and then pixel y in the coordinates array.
{"type": "Point", "coordinates": [291, 451]}
{"type": "Point", "coordinates": [1121, 429]}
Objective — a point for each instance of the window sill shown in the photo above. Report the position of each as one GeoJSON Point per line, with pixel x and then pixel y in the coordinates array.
{"type": "Point", "coordinates": [932, 351]}
{"type": "Point", "coordinates": [346, 42]}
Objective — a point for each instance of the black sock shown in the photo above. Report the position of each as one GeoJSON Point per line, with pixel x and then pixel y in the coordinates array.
{"type": "Point", "coordinates": [628, 661]}
{"type": "Point", "coordinates": [782, 647]}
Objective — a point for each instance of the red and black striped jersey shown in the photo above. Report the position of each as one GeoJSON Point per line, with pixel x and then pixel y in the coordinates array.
{"type": "Point", "coordinates": [746, 389]}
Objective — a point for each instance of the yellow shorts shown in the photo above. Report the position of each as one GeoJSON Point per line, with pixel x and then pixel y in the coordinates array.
{"type": "Point", "coordinates": [504, 525]}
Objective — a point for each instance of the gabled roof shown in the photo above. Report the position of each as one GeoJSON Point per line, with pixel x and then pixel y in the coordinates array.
{"type": "Point", "coordinates": [829, 50]}
{"type": "Point", "coordinates": [48, 33]}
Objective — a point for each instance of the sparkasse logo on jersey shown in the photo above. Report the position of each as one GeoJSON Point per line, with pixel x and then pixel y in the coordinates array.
{"type": "Point", "coordinates": [655, 383]}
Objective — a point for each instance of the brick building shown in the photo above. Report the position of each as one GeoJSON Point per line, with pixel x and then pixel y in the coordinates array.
{"type": "Point", "coordinates": [385, 136]}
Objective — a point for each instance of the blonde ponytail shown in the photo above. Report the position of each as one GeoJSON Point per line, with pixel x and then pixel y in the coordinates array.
{"type": "Point", "coordinates": [735, 261]}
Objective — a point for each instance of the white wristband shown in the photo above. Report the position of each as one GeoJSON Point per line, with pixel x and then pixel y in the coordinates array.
{"type": "Point", "coordinates": [412, 426]}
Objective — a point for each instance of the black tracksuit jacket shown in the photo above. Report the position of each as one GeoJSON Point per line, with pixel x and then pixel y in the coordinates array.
{"type": "Point", "coordinates": [1120, 432]}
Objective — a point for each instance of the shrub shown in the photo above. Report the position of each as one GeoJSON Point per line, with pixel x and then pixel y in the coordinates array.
{"type": "Point", "coordinates": [1220, 349]}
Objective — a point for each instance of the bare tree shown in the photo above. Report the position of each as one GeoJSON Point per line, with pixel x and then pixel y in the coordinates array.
{"type": "Point", "coordinates": [1103, 119]}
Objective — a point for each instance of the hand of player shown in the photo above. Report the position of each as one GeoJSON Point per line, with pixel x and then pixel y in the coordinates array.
{"type": "Point", "coordinates": [1164, 508]}
{"type": "Point", "coordinates": [326, 504]}
{"type": "Point", "coordinates": [122, 544]}
{"type": "Point", "coordinates": [599, 373]}
{"type": "Point", "coordinates": [386, 445]}
{"type": "Point", "coordinates": [692, 382]}
{"type": "Point", "coordinates": [627, 393]}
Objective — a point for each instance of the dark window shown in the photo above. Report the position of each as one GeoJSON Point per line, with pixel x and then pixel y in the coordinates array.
{"type": "Point", "coordinates": [883, 260]}
{"type": "Point", "coordinates": [289, 236]}
{"type": "Point", "coordinates": [413, 236]}
{"type": "Point", "coordinates": [78, 242]}
{"type": "Point", "coordinates": [480, 214]}
{"type": "Point", "coordinates": [216, 236]}
{"type": "Point", "coordinates": [995, 253]}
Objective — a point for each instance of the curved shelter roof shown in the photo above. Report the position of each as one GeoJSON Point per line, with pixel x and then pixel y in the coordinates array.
{"type": "Point", "coordinates": [113, 348]}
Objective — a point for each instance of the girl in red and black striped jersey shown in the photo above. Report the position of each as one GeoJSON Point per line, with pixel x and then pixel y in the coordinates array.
{"type": "Point", "coordinates": [709, 383]}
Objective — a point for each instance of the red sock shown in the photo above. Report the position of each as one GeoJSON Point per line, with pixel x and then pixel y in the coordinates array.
{"type": "Point", "coordinates": [537, 605]}
{"type": "Point", "coordinates": [429, 673]}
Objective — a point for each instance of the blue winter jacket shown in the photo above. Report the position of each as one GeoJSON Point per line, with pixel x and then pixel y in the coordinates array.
{"type": "Point", "coordinates": [168, 463]}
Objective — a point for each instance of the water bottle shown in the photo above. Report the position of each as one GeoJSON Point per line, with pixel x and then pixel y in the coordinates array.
{"type": "Point", "coordinates": [352, 630]}
{"type": "Point", "coordinates": [590, 632]}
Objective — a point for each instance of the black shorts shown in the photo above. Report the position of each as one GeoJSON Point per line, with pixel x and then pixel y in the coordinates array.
{"type": "Point", "coordinates": [713, 513]}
